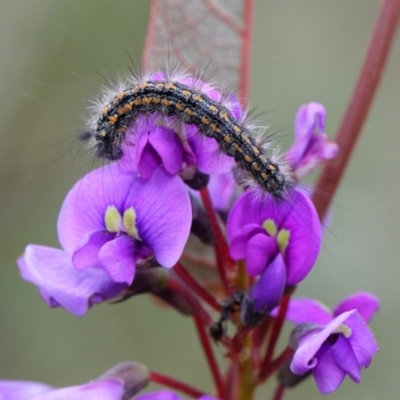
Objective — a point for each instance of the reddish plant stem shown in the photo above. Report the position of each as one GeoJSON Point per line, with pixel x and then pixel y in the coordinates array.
{"type": "Point", "coordinates": [173, 383]}
{"type": "Point", "coordinates": [276, 364]}
{"type": "Point", "coordinates": [196, 287]}
{"type": "Point", "coordinates": [278, 394]}
{"type": "Point", "coordinates": [259, 336]}
{"type": "Point", "coordinates": [248, 8]}
{"type": "Point", "coordinates": [198, 260]}
{"type": "Point", "coordinates": [360, 102]}
{"type": "Point", "coordinates": [198, 309]}
{"type": "Point", "coordinates": [224, 260]}
{"type": "Point", "coordinates": [212, 362]}
{"type": "Point", "coordinates": [237, 341]}
{"type": "Point", "coordinates": [276, 330]}
{"type": "Point", "coordinates": [231, 381]}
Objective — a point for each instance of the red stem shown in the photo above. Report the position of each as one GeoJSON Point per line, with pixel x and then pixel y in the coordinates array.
{"type": "Point", "coordinates": [196, 287]}
{"type": "Point", "coordinates": [276, 330]}
{"type": "Point", "coordinates": [248, 8]}
{"type": "Point", "coordinates": [278, 395]}
{"type": "Point", "coordinates": [358, 107]}
{"type": "Point", "coordinates": [224, 260]}
{"type": "Point", "coordinates": [259, 336]}
{"type": "Point", "coordinates": [205, 342]}
{"type": "Point", "coordinates": [198, 309]}
{"type": "Point", "coordinates": [276, 364]}
{"type": "Point", "coordinates": [175, 384]}
{"type": "Point", "coordinates": [198, 260]}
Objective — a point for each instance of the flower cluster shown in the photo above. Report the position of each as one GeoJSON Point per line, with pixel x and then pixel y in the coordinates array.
{"type": "Point", "coordinates": [123, 230]}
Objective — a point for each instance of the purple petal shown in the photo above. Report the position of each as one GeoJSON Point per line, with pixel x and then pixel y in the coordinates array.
{"type": "Point", "coordinates": [309, 118]}
{"type": "Point", "coordinates": [22, 390]}
{"type": "Point", "coordinates": [362, 340]}
{"type": "Point", "coordinates": [261, 249]}
{"type": "Point", "coordinates": [117, 259]}
{"type": "Point", "coordinates": [305, 237]}
{"type": "Point", "coordinates": [149, 161]}
{"type": "Point", "coordinates": [84, 207]}
{"type": "Point", "coordinates": [268, 290]}
{"type": "Point", "coordinates": [159, 395]}
{"type": "Point", "coordinates": [238, 246]}
{"type": "Point", "coordinates": [327, 374]}
{"type": "Point", "coordinates": [210, 159]}
{"type": "Point", "coordinates": [86, 252]}
{"type": "Point", "coordinates": [223, 191]}
{"type": "Point", "coordinates": [304, 355]}
{"type": "Point", "coordinates": [168, 146]}
{"type": "Point", "coordinates": [345, 358]}
{"type": "Point", "coordinates": [320, 149]}
{"type": "Point", "coordinates": [207, 397]}
{"type": "Point", "coordinates": [101, 390]}
{"type": "Point", "coordinates": [302, 311]}
{"type": "Point", "coordinates": [244, 212]}
{"type": "Point", "coordinates": [164, 215]}
{"type": "Point", "coordinates": [61, 284]}
{"type": "Point", "coordinates": [365, 303]}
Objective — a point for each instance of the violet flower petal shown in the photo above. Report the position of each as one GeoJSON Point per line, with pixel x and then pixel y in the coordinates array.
{"type": "Point", "coordinates": [309, 117]}
{"type": "Point", "coordinates": [305, 237]}
{"type": "Point", "coordinates": [345, 358]}
{"type": "Point", "coordinates": [61, 284]}
{"type": "Point", "coordinates": [223, 189]}
{"type": "Point", "coordinates": [303, 358]}
{"type": "Point", "coordinates": [117, 259]}
{"type": "Point", "coordinates": [210, 159]}
{"type": "Point", "coordinates": [86, 252]}
{"type": "Point", "coordinates": [365, 303]}
{"type": "Point", "coordinates": [362, 340]}
{"type": "Point", "coordinates": [238, 246]}
{"type": "Point", "coordinates": [159, 395]}
{"type": "Point", "coordinates": [260, 250]}
{"type": "Point", "coordinates": [22, 390]}
{"type": "Point", "coordinates": [303, 310]}
{"type": "Point", "coordinates": [85, 205]}
{"type": "Point", "coordinates": [110, 389]}
{"type": "Point", "coordinates": [168, 146]}
{"type": "Point", "coordinates": [164, 215]}
{"type": "Point", "coordinates": [268, 290]}
{"type": "Point", "coordinates": [149, 161]}
{"type": "Point", "coordinates": [327, 374]}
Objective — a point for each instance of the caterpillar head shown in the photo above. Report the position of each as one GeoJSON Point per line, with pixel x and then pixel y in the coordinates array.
{"type": "Point", "coordinates": [106, 144]}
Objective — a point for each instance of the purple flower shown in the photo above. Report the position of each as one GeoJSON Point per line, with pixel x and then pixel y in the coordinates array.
{"type": "Point", "coordinates": [167, 395]}
{"type": "Point", "coordinates": [342, 347]}
{"type": "Point", "coordinates": [101, 390]}
{"type": "Point", "coordinates": [108, 223]}
{"type": "Point", "coordinates": [121, 382]}
{"type": "Point", "coordinates": [311, 145]}
{"type": "Point", "coordinates": [304, 310]}
{"type": "Point", "coordinates": [280, 242]}
{"type": "Point", "coordinates": [180, 151]}
{"type": "Point", "coordinates": [109, 389]}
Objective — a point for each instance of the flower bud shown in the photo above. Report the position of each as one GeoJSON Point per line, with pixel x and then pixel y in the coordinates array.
{"type": "Point", "coordinates": [135, 377]}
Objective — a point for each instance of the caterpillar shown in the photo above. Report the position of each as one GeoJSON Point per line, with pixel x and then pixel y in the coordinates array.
{"type": "Point", "coordinates": [190, 105]}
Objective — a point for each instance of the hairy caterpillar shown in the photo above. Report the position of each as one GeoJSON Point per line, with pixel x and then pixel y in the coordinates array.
{"type": "Point", "coordinates": [190, 105]}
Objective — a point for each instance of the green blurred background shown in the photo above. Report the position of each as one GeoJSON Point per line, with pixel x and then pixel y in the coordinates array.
{"type": "Point", "coordinates": [310, 50]}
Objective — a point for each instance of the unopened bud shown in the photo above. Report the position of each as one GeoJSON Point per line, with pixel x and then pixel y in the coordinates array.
{"type": "Point", "coordinates": [135, 377]}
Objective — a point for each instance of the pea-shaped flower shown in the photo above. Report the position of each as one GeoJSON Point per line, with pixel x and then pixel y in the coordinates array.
{"type": "Point", "coordinates": [331, 344]}
{"type": "Point", "coordinates": [279, 241]}
{"type": "Point", "coordinates": [109, 222]}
